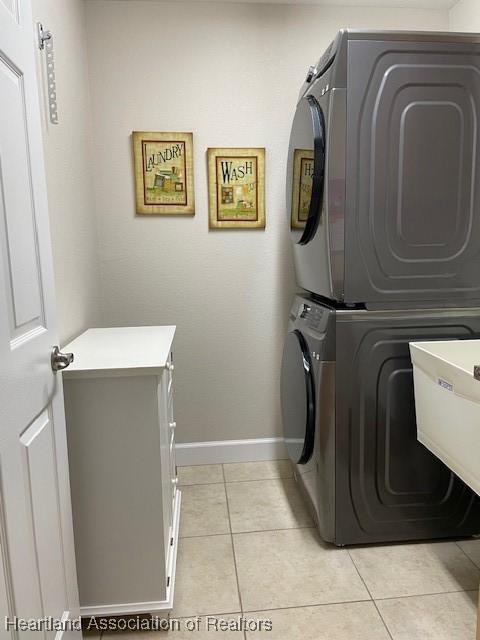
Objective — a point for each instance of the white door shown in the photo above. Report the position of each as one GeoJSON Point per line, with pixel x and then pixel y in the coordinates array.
{"type": "Point", "coordinates": [37, 564]}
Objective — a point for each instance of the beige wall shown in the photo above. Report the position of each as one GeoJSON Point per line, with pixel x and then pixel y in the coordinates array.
{"type": "Point", "coordinates": [230, 73]}
{"type": "Point", "coordinates": [68, 166]}
{"type": "Point", "coordinates": [465, 16]}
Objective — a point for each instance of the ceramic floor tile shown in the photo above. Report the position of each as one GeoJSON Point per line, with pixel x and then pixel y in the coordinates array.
{"type": "Point", "coordinates": [352, 621]}
{"type": "Point", "coordinates": [240, 471]}
{"type": "Point", "coordinates": [415, 569]}
{"type": "Point", "coordinates": [205, 579]}
{"type": "Point", "coordinates": [447, 616]}
{"type": "Point", "coordinates": [472, 549]}
{"type": "Point", "coordinates": [291, 568]}
{"type": "Point", "coordinates": [200, 474]}
{"type": "Point", "coordinates": [266, 504]}
{"type": "Point", "coordinates": [202, 628]}
{"type": "Point", "coordinates": [204, 510]}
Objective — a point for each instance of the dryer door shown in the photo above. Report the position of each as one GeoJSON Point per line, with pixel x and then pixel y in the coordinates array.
{"type": "Point", "coordinates": [298, 398]}
{"type": "Point", "coordinates": [306, 170]}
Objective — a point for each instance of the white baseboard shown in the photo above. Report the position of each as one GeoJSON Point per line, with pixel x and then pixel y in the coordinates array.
{"type": "Point", "coordinates": [218, 451]}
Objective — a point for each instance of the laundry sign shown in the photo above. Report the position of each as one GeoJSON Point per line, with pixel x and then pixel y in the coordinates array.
{"type": "Point", "coordinates": [163, 172]}
{"type": "Point", "coordinates": [236, 188]}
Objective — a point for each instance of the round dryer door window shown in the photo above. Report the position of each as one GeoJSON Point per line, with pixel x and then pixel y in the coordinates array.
{"type": "Point", "coordinates": [306, 170]}
{"type": "Point", "coordinates": [298, 398]}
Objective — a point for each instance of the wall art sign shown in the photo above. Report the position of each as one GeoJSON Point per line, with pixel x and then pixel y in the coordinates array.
{"type": "Point", "coordinates": [236, 188]}
{"type": "Point", "coordinates": [163, 173]}
{"type": "Point", "coordinates": [303, 164]}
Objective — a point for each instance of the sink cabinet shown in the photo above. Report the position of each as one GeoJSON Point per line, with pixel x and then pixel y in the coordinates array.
{"type": "Point", "coordinates": [121, 443]}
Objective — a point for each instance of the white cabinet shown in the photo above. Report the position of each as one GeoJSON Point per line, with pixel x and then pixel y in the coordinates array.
{"type": "Point", "coordinates": [121, 443]}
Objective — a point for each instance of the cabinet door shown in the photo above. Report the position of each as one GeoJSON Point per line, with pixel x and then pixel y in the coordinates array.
{"type": "Point", "coordinates": [172, 462]}
{"type": "Point", "coordinates": [165, 460]}
{"type": "Point", "coordinates": [172, 425]}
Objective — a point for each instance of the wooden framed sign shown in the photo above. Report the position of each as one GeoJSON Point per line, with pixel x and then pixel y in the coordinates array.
{"type": "Point", "coordinates": [236, 188]}
{"type": "Point", "coordinates": [302, 186]}
{"type": "Point", "coordinates": [163, 173]}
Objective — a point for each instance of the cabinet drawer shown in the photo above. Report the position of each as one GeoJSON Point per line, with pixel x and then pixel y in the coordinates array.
{"type": "Point", "coordinates": [170, 369]}
{"type": "Point", "coordinates": [173, 465]}
{"type": "Point", "coordinates": [172, 425]}
{"type": "Point", "coordinates": [174, 478]}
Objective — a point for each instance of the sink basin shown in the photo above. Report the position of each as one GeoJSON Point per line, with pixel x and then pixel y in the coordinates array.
{"type": "Point", "coordinates": [447, 402]}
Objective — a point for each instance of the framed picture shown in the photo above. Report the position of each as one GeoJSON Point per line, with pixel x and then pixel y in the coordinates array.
{"type": "Point", "coordinates": [163, 173]}
{"type": "Point", "coordinates": [236, 188]}
{"type": "Point", "coordinates": [302, 186]}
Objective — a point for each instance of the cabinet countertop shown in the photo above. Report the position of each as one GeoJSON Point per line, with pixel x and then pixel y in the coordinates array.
{"type": "Point", "coordinates": [120, 351]}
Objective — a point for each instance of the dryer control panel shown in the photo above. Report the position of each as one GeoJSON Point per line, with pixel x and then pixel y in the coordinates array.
{"type": "Point", "coordinates": [317, 323]}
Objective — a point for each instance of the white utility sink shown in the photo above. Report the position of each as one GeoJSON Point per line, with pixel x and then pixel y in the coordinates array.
{"type": "Point", "coordinates": [447, 401]}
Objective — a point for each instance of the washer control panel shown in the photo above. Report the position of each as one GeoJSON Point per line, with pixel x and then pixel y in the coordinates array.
{"type": "Point", "coordinates": [311, 314]}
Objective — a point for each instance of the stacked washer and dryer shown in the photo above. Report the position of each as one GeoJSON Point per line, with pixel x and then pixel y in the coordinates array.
{"type": "Point", "coordinates": [383, 196]}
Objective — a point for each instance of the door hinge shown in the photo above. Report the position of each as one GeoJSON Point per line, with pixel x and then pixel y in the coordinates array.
{"type": "Point", "coordinates": [168, 581]}
{"type": "Point", "coordinates": [171, 542]}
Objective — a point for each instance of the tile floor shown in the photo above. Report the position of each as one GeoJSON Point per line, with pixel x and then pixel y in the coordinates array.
{"type": "Point", "coordinates": [248, 547]}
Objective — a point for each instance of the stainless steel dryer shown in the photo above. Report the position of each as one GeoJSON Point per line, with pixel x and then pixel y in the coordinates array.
{"type": "Point", "coordinates": [349, 424]}
{"type": "Point", "coordinates": [383, 184]}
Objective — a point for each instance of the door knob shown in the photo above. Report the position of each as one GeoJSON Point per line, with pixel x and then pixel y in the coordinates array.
{"type": "Point", "coordinates": [60, 360]}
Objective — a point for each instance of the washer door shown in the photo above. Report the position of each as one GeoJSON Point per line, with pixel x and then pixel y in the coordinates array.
{"type": "Point", "coordinates": [306, 170]}
{"type": "Point", "coordinates": [298, 398]}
